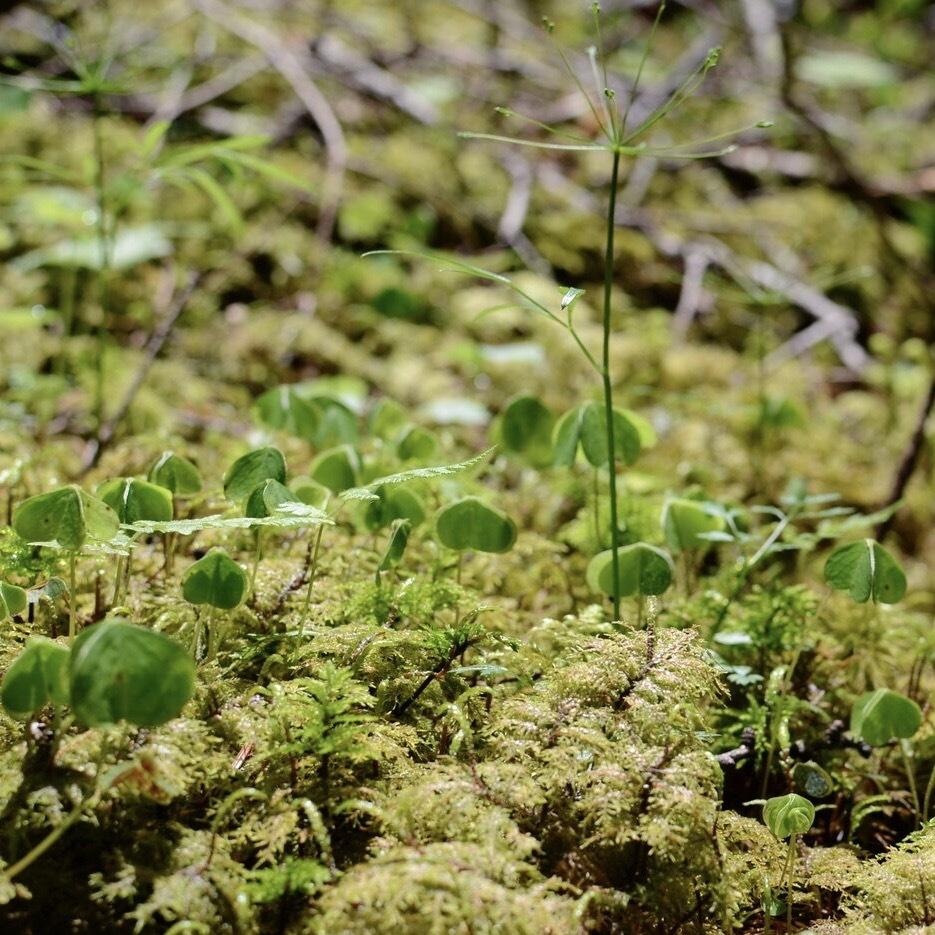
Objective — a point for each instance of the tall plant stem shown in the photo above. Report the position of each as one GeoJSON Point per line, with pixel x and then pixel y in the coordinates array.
{"type": "Point", "coordinates": [608, 384]}
{"type": "Point", "coordinates": [911, 776]}
{"type": "Point", "coordinates": [790, 881]}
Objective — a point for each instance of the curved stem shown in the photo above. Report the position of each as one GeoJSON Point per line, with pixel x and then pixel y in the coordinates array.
{"type": "Point", "coordinates": [72, 598]}
{"type": "Point", "coordinates": [790, 881]}
{"type": "Point", "coordinates": [313, 568]}
{"type": "Point", "coordinates": [911, 776]}
{"type": "Point", "coordinates": [608, 385]}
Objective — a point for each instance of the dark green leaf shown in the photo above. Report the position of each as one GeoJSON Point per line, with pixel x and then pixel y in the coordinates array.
{"type": "Point", "coordinates": [251, 469]}
{"type": "Point", "coordinates": [216, 580]}
{"type": "Point", "coordinates": [38, 675]}
{"type": "Point", "coordinates": [471, 524]}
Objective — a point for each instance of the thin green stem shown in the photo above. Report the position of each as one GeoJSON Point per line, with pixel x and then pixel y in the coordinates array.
{"type": "Point", "coordinates": [790, 880]}
{"type": "Point", "coordinates": [911, 776]}
{"type": "Point", "coordinates": [256, 560]}
{"type": "Point", "coordinates": [313, 568]}
{"type": "Point", "coordinates": [608, 384]}
{"type": "Point", "coordinates": [927, 801]}
{"type": "Point", "coordinates": [72, 597]}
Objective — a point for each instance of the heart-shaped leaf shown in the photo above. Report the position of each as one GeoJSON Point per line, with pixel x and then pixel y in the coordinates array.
{"type": "Point", "coordinates": [251, 469]}
{"type": "Point", "coordinates": [68, 516]}
{"type": "Point", "coordinates": [177, 474]}
{"type": "Point", "coordinates": [336, 468]}
{"type": "Point", "coordinates": [586, 425]}
{"type": "Point", "coordinates": [685, 523]}
{"type": "Point", "coordinates": [135, 500]}
{"type": "Point", "coordinates": [265, 498]}
{"type": "Point", "coordinates": [866, 571]}
{"type": "Point", "coordinates": [38, 675]}
{"type": "Point", "coordinates": [13, 600]}
{"type": "Point", "coordinates": [122, 672]}
{"type": "Point", "coordinates": [471, 524]}
{"type": "Point", "coordinates": [216, 580]}
{"type": "Point", "coordinates": [788, 814]}
{"type": "Point", "coordinates": [416, 444]}
{"type": "Point", "coordinates": [393, 503]}
{"type": "Point", "coordinates": [285, 409]}
{"type": "Point", "coordinates": [643, 569]}
{"type": "Point", "coordinates": [525, 427]}
{"type": "Point", "coordinates": [884, 715]}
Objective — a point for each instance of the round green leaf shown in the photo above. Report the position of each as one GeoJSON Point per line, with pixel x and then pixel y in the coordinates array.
{"type": "Point", "coordinates": [134, 500]}
{"type": "Point", "coordinates": [586, 425]}
{"type": "Point", "coordinates": [788, 814]}
{"type": "Point", "coordinates": [251, 469]}
{"type": "Point", "coordinates": [122, 672]}
{"type": "Point", "coordinates": [884, 715]}
{"type": "Point", "coordinates": [38, 675]}
{"type": "Point", "coordinates": [216, 580]}
{"type": "Point", "coordinates": [643, 569]}
{"type": "Point", "coordinates": [68, 516]}
{"type": "Point", "coordinates": [12, 600]}
{"type": "Point", "coordinates": [393, 503]}
{"type": "Point", "coordinates": [812, 780]}
{"type": "Point", "coordinates": [866, 571]}
{"type": "Point", "coordinates": [336, 468]}
{"type": "Point", "coordinates": [264, 499]}
{"type": "Point", "coordinates": [176, 474]}
{"type": "Point", "coordinates": [685, 522]}
{"type": "Point", "coordinates": [525, 427]}
{"type": "Point", "coordinates": [309, 491]}
{"type": "Point", "coordinates": [471, 524]}
{"type": "Point", "coordinates": [283, 408]}
{"type": "Point", "coordinates": [416, 444]}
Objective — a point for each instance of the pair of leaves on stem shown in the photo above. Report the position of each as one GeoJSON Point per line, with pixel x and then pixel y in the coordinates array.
{"type": "Point", "coordinates": [867, 572]}
{"type": "Point", "coordinates": [881, 716]}
{"type": "Point", "coordinates": [68, 516]}
{"type": "Point", "coordinates": [643, 570]}
{"type": "Point", "coordinates": [114, 671]}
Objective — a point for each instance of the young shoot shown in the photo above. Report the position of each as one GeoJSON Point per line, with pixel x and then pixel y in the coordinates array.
{"type": "Point", "coordinates": [788, 816]}
{"type": "Point", "coordinates": [219, 582]}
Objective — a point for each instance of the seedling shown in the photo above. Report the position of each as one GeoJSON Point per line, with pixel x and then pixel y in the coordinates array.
{"type": "Point", "coordinates": [13, 600]}
{"type": "Point", "coordinates": [469, 524]}
{"type": "Point", "coordinates": [337, 468]}
{"type": "Point", "coordinates": [393, 503]}
{"type": "Point", "coordinates": [134, 501]}
{"type": "Point", "coordinates": [788, 816]}
{"type": "Point", "coordinates": [182, 479]}
{"type": "Point", "coordinates": [643, 570]}
{"type": "Point", "coordinates": [525, 428]}
{"type": "Point", "coordinates": [122, 672]}
{"type": "Point", "coordinates": [687, 524]}
{"type": "Point", "coordinates": [882, 716]}
{"type": "Point", "coordinates": [416, 444]}
{"type": "Point", "coordinates": [38, 676]}
{"type": "Point", "coordinates": [251, 470]}
{"type": "Point", "coordinates": [395, 546]}
{"type": "Point", "coordinates": [218, 581]}
{"type": "Point", "coordinates": [262, 502]}
{"type": "Point", "coordinates": [285, 409]}
{"type": "Point", "coordinates": [177, 474]}
{"type": "Point", "coordinates": [69, 517]}
{"type": "Point", "coordinates": [867, 572]}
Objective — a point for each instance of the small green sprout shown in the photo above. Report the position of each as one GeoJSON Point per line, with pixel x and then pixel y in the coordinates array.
{"type": "Point", "coordinates": [177, 474]}
{"type": "Point", "coordinates": [686, 524]}
{"type": "Point", "coordinates": [251, 470]}
{"type": "Point", "coordinates": [525, 428]}
{"type": "Point", "coordinates": [395, 546]}
{"type": "Point", "coordinates": [416, 444]}
{"type": "Point", "coordinates": [867, 572]}
{"type": "Point", "coordinates": [13, 600]}
{"type": "Point", "coordinates": [393, 503]}
{"type": "Point", "coordinates": [133, 501]}
{"type": "Point", "coordinates": [38, 676]}
{"type": "Point", "coordinates": [586, 426]}
{"type": "Point", "coordinates": [788, 816]}
{"type": "Point", "coordinates": [182, 479]}
{"type": "Point", "coordinates": [469, 524]}
{"type": "Point", "coordinates": [285, 409]}
{"type": "Point", "coordinates": [122, 672]}
{"type": "Point", "coordinates": [262, 502]}
{"type": "Point", "coordinates": [70, 517]}
{"type": "Point", "coordinates": [882, 716]}
{"type": "Point", "coordinates": [218, 581]}
{"type": "Point", "coordinates": [643, 570]}
{"type": "Point", "coordinates": [337, 468]}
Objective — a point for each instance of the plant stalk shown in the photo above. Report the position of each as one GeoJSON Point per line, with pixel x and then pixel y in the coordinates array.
{"type": "Point", "coordinates": [608, 384]}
